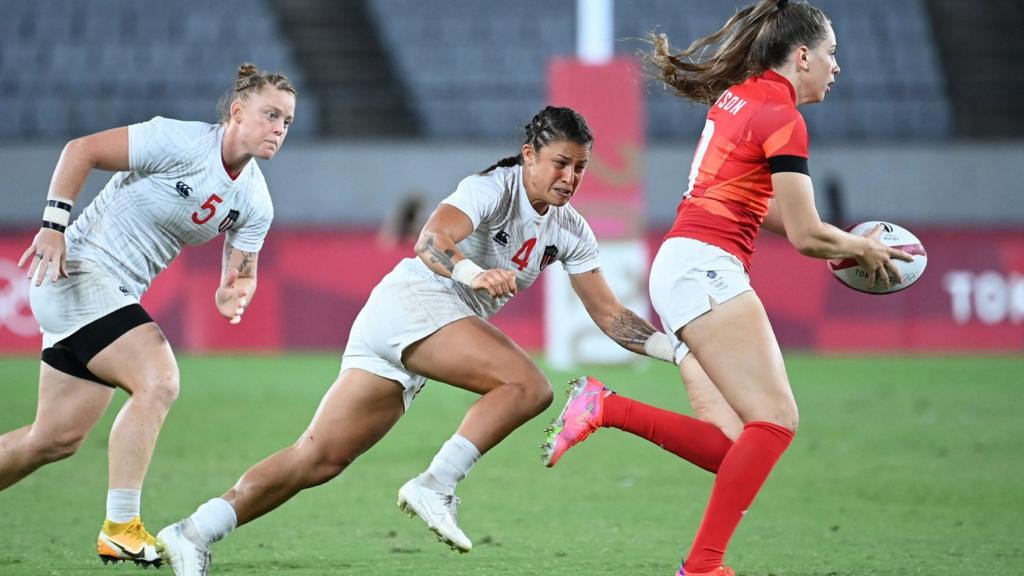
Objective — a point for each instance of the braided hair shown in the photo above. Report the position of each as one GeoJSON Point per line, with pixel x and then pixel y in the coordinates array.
{"type": "Point", "coordinates": [552, 124]}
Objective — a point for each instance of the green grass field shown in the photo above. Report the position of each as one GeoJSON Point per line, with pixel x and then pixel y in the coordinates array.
{"type": "Point", "coordinates": [901, 467]}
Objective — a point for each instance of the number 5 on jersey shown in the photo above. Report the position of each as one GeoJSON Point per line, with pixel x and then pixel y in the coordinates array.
{"type": "Point", "coordinates": [522, 257]}
{"type": "Point", "coordinates": [209, 209]}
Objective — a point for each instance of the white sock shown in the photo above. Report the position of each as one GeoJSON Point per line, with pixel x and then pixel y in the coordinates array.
{"type": "Point", "coordinates": [123, 504]}
{"type": "Point", "coordinates": [214, 520]}
{"type": "Point", "coordinates": [451, 464]}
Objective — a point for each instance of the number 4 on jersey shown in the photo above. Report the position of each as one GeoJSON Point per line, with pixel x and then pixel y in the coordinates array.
{"type": "Point", "coordinates": [522, 257]}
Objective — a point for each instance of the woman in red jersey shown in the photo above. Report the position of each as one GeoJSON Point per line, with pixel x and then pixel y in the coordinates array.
{"type": "Point", "coordinates": [749, 171]}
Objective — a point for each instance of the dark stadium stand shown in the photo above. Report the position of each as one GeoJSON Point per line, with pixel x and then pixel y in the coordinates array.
{"type": "Point", "coordinates": [476, 68]}
{"type": "Point", "coordinates": [70, 68]}
{"type": "Point", "coordinates": [467, 70]}
{"type": "Point", "coordinates": [352, 73]}
{"type": "Point", "coordinates": [982, 47]}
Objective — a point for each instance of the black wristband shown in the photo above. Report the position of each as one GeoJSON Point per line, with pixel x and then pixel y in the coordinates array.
{"type": "Point", "coordinates": [59, 204]}
{"type": "Point", "coordinates": [54, 226]}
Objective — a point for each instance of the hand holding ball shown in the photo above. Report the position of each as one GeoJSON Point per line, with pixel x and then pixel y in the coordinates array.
{"type": "Point", "coordinates": [852, 274]}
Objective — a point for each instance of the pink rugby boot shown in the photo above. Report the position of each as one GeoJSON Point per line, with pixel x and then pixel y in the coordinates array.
{"type": "Point", "coordinates": [580, 417]}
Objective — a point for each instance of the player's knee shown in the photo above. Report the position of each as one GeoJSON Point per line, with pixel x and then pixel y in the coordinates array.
{"type": "Point", "coordinates": [326, 467]}
{"type": "Point", "coordinates": [794, 419]}
{"type": "Point", "coordinates": [161, 390]}
{"type": "Point", "coordinates": [545, 396]}
{"type": "Point", "coordinates": [781, 411]}
{"type": "Point", "coordinates": [533, 391]}
{"type": "Point", "coordinates": [61, 445]}
{"type": "Point", "coordinates": [319, 462]}
{"type": "Point", "coordinates": [786, 415]}
{"type": "Point", "coordinates": [538, 394]}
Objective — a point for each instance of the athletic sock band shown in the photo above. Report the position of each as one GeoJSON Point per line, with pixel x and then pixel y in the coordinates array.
{"type": "Point", "coordinates": [214, 520]}
{"type": "Point", "coordinates": [123, 504]}
{"type": "Point", "coordinates": [453, 461]}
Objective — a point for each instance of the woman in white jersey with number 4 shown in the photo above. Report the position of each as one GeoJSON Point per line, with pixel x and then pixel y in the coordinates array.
{"type": "Point", "coordinates": [176, 183]}
{"type": "Point", "coordinates": [427, 319]}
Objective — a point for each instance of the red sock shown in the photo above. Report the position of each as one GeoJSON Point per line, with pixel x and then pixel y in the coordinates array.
{"type": "Point", "coordinates": [696, 441]}
{"type": "Point", "coordinates": [740, 477]}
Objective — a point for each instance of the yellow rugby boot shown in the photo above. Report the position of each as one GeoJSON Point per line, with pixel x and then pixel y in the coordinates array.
{"type": "Point", "coordinates": [118, 542]}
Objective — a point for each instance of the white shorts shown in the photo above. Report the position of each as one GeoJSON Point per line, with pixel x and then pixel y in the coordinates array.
{"type": "Point", "coordinates": [406, 306]}
{"type": "Point", "coordinates": [685, 276]}
{"type": "Point", "coordinates": [89, 293]}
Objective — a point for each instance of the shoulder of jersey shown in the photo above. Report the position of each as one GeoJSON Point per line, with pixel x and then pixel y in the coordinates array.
{"type": "Point", "coordinates": [185, 128]}
{"type": "Point", "coordinates": [494, 180]}
{"type": "Point", "coordinates": [257, 172]}
{"type": "Point", "coordinates": [262, 191]}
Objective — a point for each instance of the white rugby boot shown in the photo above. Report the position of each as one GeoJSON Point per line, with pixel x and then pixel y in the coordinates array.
{"type": "Point", "coordinates": [180, 551]}
{"type": "Point", "coordinates": [437, 509]}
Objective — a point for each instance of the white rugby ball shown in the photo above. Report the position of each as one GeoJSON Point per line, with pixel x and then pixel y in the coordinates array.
{"type": "Point", "coordinates": [850, 273]}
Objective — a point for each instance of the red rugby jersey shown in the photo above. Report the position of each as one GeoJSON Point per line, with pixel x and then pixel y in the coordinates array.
{"type": "Point", "coordinates": [730, 177]}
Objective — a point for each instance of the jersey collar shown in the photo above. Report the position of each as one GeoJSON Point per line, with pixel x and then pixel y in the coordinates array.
{"type": "Point", "coordinates": [524, 199]}
{"type": "Point", "coordinates": [225, 175]}
{"type": "Point", "coordinates": [773, 76]}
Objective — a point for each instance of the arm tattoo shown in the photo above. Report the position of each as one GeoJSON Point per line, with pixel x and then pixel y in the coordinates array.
{"type": "Point", "coordinates": [225, 259]}
{"type": "Point", "coordinates": [247, 267]}
{"type": "Point", "coordinates": [436, 255]}
{"type": "Point", "coordinates": [627, 328]}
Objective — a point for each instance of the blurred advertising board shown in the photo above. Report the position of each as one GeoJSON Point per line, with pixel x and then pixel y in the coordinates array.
{"type": "Point", "coordinates": [312, 284]}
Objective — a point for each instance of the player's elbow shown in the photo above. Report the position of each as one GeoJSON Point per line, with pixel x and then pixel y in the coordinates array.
{"type": "Point", "coordinates": [426, 240]}
{"type": "Point", "coordinates": [804, 246]}
{"type": "Point", "coordinates": [807, 241]}
{"type": "Point", "coordinates": [78, 149]}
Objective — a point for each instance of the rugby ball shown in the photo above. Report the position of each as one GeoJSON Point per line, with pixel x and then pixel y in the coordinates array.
{"type": "Point", "coordinates": [850, 273]}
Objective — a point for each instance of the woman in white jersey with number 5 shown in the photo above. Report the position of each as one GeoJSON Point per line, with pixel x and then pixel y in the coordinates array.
{"type": "Point", "coordinates": [176, 183]}
{"type": "Point", "coordinates": [427, 319]}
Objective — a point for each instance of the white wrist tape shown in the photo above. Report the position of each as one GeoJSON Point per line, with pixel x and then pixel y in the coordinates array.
{"type": "Point", "coordinates": [659, 346]}
{"type": "Point", "coordinates": [57, 214]}
{"type": "Point", "coordinates": [465, 270]}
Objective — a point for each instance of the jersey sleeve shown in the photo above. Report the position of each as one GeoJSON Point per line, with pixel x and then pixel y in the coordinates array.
{"type": "Point", "coordinates": [158, 145]}
{"type": "Point", "coordinates": [477, 196]}
{"type": "Point", "coordinates": [584, 256]}
{"type": "Point", "coordinates": [248, 236]}
{"type": "Point", "coordinates": [782, 135]}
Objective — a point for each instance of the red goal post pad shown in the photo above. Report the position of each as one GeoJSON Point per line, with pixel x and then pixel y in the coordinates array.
{"type": "Point", "coordinates": [610, 97]}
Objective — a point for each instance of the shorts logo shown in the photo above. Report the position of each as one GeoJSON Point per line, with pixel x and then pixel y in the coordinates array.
{"type": "Point", "coordinates": [123, 290]}
{"type": "Point", "coordinates": [715, 281]}
{"type": "Point", "coordinates": [501, 237]}
{"type": "Point", "coordinates": [550, 253]}
{"type": "Point", "coordinates": [228, 221]}
{"type": "Point", "coordinates": [184, 190]}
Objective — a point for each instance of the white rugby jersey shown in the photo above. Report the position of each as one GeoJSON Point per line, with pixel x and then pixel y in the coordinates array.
{"type": "Point", "coordinates": [508, 233]}
{"type": "Point", "coordinates": [175, 192]}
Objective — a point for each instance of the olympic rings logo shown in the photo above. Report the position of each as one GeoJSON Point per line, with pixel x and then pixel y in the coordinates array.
{"type": "Point", "coordinates": [15, 312]}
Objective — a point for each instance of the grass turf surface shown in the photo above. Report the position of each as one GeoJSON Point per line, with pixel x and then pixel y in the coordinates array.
{"type": "Point", "coordinates": [902, 466]}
